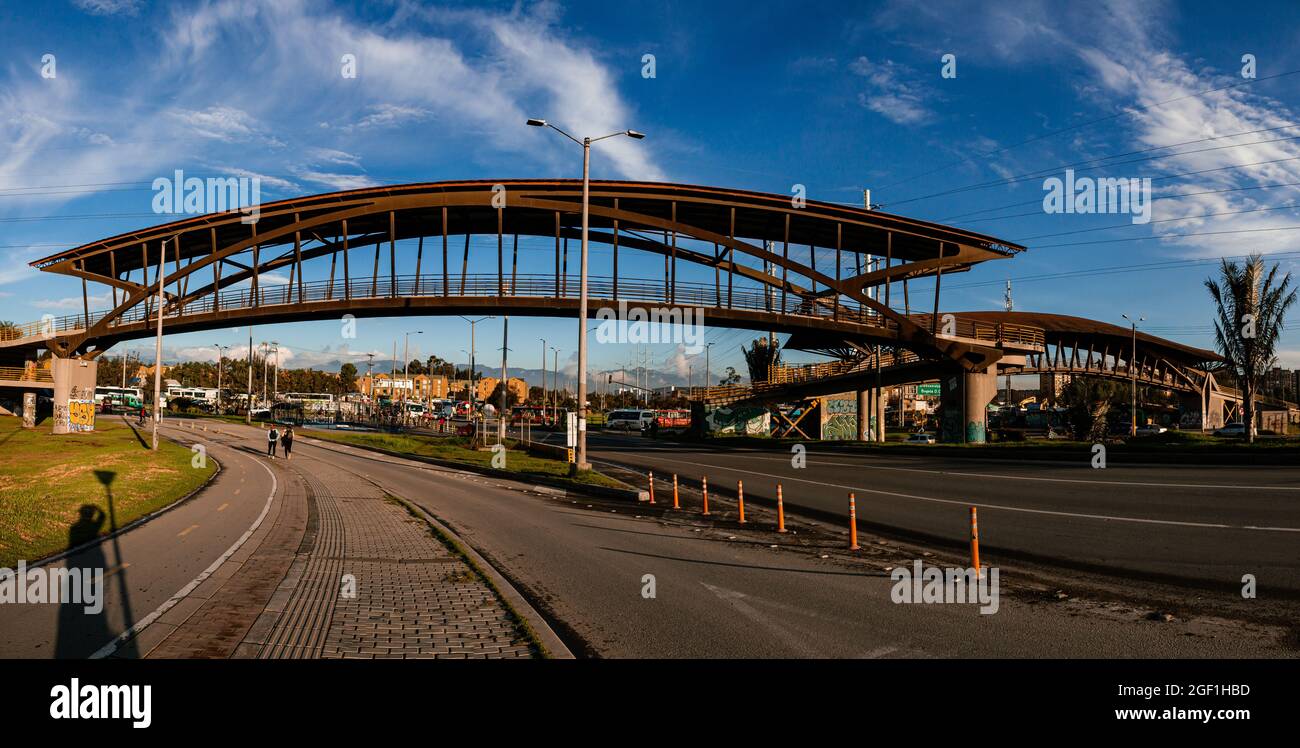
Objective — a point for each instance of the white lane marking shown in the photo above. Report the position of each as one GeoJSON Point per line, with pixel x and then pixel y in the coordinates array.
{"type": "Point", "coordinates": [794, 639]}
{"type": "Point", "coordinates": [1104, 517]}
{"type": "Point", "coordinates": [143, 623]}
{"type": "Point", "coordinates": [1001, 476]}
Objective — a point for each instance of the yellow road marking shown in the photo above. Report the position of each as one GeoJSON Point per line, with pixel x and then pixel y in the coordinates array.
{"type": "Point", "coordinates": [115, 570]}
{"type": "Point", "coordinates": [222, 508]}
{"type": "Point", "coordinates": [186, 531]}
{"type": "Point", "coordinates": [237, 490]}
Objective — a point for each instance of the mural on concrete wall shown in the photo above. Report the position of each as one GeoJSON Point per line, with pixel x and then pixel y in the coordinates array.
{"type": "Point", "coordinates": [743, 419]}
{"type": "Point", "coordinates": [840, 419]}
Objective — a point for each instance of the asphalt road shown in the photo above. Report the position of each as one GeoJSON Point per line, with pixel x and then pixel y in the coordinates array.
{"type": "Point", "coordinates": [584, 562]}
{"type": "Point", "coordinates": [718, 591]}
{"type": "Point", "coordinates": [1205, 525]}
{"type": "Point", "coordinates": [146, 566]}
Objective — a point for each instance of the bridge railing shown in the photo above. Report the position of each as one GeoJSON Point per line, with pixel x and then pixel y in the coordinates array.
{"type": "Point", "coordinates": [26, 374]}
{"type": "Point", "coordinates": [658, 292]}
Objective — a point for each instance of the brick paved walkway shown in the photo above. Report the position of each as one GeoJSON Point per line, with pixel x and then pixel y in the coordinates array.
{"type": "Point", "coordinates": [367, 580]}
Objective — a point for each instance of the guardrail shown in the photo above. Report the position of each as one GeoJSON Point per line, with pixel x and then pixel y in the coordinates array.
{"type": "Point", "coordinates": [679, 294]}
{"type": "Point", "coordinates": [26, 374]}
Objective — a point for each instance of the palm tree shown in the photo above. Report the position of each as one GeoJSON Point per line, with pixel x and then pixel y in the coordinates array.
{"type": "Point", "coordinates": [8, 330]}
{"type": "Point", "coordinates": [760, 357]}
{"type": "Point", "coordinates": [1251, 308]}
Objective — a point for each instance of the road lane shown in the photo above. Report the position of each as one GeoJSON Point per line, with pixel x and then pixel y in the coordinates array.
{"type": "Point", "coordinates": [720, 598]}
{"type": "Point", "coordinates": [1191, 524]}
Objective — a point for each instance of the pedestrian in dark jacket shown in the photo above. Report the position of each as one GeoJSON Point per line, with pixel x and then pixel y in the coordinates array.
{"type": "Point", "coordinates": [271, 437]}
{"type": "Point", "coordinates": [286, 441]}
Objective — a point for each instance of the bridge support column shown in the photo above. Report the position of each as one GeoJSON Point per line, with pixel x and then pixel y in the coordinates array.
{"type": "Point", "coordinates": [29, 410]}
{"type": "Point", "coordinates": [864, 415]}
{"type": "Point", "coordinates": [880, 415]}
{"type": "Point", "coordinates": [74, 394]}
{"type": "Point", "coordinates": [965, 401]}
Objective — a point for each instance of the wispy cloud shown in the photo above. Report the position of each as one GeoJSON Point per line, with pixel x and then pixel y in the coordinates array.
{"type": "Point", "coordinates": [889, 94]}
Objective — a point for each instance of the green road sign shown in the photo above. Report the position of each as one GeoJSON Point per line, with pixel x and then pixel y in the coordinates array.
{"type": "Point", "coordinates": [928, 389]}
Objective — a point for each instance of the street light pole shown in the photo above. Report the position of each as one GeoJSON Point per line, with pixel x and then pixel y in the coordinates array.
{"type": "Point", "coordinates": [157, 358]}
{"type": "Point", "coordinates": [543, 379]}
{"type": "Point", "coordinates": [581, 458]}
{"type": "Point", "coordinates": [471, 351]}
{"type": "Point", "coordinates": [220, 358]}
{"type": "Point", "coordinates": [1133, 422]}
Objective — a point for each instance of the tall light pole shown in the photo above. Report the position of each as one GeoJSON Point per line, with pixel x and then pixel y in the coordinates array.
{"type": "Point", "coordinates": [555, 383]}
{"type": "Point", "coordinates": [248, 416]}
{"type": "Point", "coordinates": [406, 367]}
{"type": "Point", "coordinates": [157, 349]}
{"type": "Point", "coordinates": [471, 350]}
{"type": "Point", "coordinates": [581, 461]}
{"type": "Point", "coordinates": [220, 360]}
{"type": "Point", "coordinates": [1133, 424]}
{"type": "Point", "coordinates": [505, 383]}
{"type": "Point", "coordinates": [707, 381]}
{"type": "Point", "coordinates": [543, 379]}
{"type": "Point", "coordinates": [275, 377]}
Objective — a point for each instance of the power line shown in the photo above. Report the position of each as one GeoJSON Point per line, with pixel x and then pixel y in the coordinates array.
{"type": "Point", "coordinates": [1163, 220]}
{"type": "Point", "coordinates": [1120, 269]}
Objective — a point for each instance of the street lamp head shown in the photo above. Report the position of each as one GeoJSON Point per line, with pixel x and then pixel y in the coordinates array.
{"type": "Point", "coordinates": [635, 135]}
{"type": "Point", "coordinates": [536, 122]}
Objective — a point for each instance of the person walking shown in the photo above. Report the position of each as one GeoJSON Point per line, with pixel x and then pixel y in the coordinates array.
{"type": "Point", "coordinates": [286, 441]}
{"type": "Point", "coordinates": [271, 437]}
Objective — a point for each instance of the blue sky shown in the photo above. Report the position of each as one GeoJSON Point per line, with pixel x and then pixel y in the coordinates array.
{"type": "Point", "coordinates": [763, 96]}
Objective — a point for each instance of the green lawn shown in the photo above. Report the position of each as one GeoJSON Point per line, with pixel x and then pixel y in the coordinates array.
{"type": "Point", "coordinates": [47, 480]}
{"type": "Point", "coordinates": [456, 449]}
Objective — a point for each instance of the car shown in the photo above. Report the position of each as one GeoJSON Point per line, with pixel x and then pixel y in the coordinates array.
{"type": "Point", "coordinates": [1231, 429]}
{"type": "Point", "coordinates": [919, 438]}
{"type": "Point", "coordinates": [629, 420]}
{"type": "Point", "coordinates": [1150, 429]}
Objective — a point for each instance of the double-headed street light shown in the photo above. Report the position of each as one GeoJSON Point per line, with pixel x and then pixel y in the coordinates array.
{"type": "Point", "coordinates": [471, 351]}
{"type": "Point", "coordinates": [581, 461]}
{"type": "Point", "coordinates": [1133, 423]}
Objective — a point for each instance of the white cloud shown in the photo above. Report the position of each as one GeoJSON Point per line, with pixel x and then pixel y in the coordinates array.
{"type": "Point", "coordinates": [888, 94]}
{"type": "Point", "coordinates": [109, 7]}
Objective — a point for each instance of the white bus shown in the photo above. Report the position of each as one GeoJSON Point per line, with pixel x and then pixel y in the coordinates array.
{"type": "Point", "coordinates": [118, 397]}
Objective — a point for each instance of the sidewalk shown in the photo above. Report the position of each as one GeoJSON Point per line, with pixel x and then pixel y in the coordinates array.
{"type": "Point", "coordinates": [344, 571]}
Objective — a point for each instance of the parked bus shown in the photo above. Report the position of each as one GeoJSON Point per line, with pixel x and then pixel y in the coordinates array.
{"type": "Point", "coordinates": [129, 398]}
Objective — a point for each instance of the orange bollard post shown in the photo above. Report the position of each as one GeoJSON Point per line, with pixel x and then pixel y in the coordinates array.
{"type": "Point", "coordinates": [704, 483]}
{"type": "Point", "coordinates": [740, 499]}
{"type": "Point", "coordinates": [780, 510]}
{"type": "Point", "coordinates": [676, 503]}
{"type": "Point", "coordinates": [652, 487]}
{"type": "Point", "coordinates": [975, 545]}
{"type": "Point", "coordinates": [853, 522]}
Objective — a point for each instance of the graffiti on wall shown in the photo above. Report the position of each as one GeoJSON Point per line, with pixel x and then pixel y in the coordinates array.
{"type": "Point", "coordinates": [79, 412]}
{"type": "Point", "coordinates": [840, 419]}
{"type": "Point", "coordinates": [745, 419]}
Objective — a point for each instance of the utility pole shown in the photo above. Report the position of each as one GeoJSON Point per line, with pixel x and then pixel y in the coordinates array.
{"type": "Point", "coordinates": [543, 379]}
{"type": "Point", "coordinates": [266, 357]}
{"type": "Point", "coordinates": [219, 362]}
{"type": "Point", "coordinates": [275, 381]}
{"type": "Point", "coordinates": [248, 414]}
{"type": "Point", "coordinates": [1133, 424]}
{"type": "Point", "coordinates": [505, 382]}
{"type": "Point", "coordinates": [1010, 307]}
{"type": "Point", "coordinates": [157, 364]}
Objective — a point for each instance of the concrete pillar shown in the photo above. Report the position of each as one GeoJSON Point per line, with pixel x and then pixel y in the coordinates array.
{"type": "Point", "coordinates": [880, 415]}
{"type": "Point", "coordinates": [29, 410]}
{"type": "Point", "coordinates": [74, 394]}
{"type": "Point", "coordinates": [864, 415]}
{"type": "Point", "coordinates": [965, 400]}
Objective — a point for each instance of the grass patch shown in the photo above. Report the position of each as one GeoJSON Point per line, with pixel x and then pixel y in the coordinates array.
{"type": "Point", "coordinates": [46, 480]}
{"type": "Point", "coordinates": [456, 449]}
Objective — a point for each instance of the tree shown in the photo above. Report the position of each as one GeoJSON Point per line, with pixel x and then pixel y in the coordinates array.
{"type": "Point", "coordinates": [731, 378]}
{"type": "Point", "coordinates": [9, 330]}
{"type": "Point", "coordinates": [760, 357]}
{"type": "Point", "coordinates": [1251, 306]}
{"type": "Point", "coordinates": [348, 377]}
{"type": "Point", "coordinates": [1088, 400]}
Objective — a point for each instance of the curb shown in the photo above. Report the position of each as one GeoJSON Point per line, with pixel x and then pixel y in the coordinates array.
{"type": "Point", "coordinates": [552, 646]}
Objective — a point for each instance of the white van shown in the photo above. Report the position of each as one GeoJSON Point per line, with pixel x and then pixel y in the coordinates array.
{"type": "Point", "coordinates": [629, 420]}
